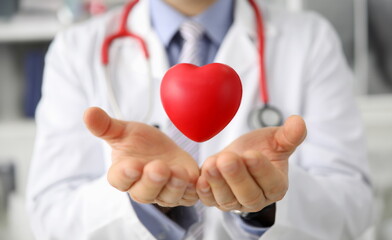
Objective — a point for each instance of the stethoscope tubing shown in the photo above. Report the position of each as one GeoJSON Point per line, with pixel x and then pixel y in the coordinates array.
{"type": "Point", "coordinates": [261, 48]}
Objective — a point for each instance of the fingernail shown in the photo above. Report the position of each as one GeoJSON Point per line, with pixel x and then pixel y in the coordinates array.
{"type": "Point", "coordinates": [213, 171]}
{"type": "Point", "coordinates": [176, 182]}
{"type": "Point", "coordinates": [156, 177]}
{"type": "Point", "coordinates": [131, 173]}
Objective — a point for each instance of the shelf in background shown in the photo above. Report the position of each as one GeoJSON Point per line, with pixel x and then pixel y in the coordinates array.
{"type": "Point", "coordinates": [29, 26]}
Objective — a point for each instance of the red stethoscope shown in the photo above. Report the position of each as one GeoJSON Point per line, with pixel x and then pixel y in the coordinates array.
{"type": "Point", "coordinates": [265, 116]}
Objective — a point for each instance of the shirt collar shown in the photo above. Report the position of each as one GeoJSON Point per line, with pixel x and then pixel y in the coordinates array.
{"type": "Point", "coordinates": [216, 20]}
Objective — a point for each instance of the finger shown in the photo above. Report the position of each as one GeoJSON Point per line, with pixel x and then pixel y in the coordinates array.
{"type": "Point", "coordinates": [155, 176]}
{"type": "Point", "coordinates": [291, 134]}
{"type": "Point", "coordinates": [271, 180]}
{"type": "Point", "coordinates": [174, 190]}
{"type": "Point", "coordinates": [190, 196]}
{"type": "Point", "coordinates": [223, 195]}
{"type": "Point", "coordinates": [246, 191]}
{"type": "Point", "coordinates": [124, 173]}
{"type": "Point", "coordinates": [204, 192]}
{"type": "Point", "coordinates": [102, 125]}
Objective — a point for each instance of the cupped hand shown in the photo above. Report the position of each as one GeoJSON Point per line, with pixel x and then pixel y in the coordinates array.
{"type": "Point", "coordinates": [252, 172]}
{"type": "Point", "coordinates": [145, 162]}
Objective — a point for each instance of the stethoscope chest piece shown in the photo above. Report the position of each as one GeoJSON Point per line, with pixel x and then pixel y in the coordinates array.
{"type": "Point", "coordinates": [266, 116]}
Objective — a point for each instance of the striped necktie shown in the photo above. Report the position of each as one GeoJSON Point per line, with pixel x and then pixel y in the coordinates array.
{"type": "Point", "coordinates": [192, 33]}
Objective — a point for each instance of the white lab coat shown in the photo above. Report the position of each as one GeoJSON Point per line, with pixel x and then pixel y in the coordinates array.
{"type": "Point", "coordinates": [329, 195]}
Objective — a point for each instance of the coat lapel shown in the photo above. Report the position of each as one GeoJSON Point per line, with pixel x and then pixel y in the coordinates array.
{"type": "Point", "coordinates": [238, 49]}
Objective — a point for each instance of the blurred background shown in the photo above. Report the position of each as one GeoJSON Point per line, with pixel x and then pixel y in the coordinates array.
{"type": "Point", "coordinates": [28, 26]}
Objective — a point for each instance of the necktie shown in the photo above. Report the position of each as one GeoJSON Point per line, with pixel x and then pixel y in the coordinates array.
{"type": "Point", "coordinates": [191, 32]}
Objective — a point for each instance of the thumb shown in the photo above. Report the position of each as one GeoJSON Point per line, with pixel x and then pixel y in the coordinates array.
{"type": "Point", "coordinates": [102, 125]}
{"type": "Point", "coordinates": [291, 134]}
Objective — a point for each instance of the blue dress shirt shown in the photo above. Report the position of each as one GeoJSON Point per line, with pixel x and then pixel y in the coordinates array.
{"type": "Point", "coordinates": [166, 21]}
{"type": "Point", "coordinates": [216, 21]}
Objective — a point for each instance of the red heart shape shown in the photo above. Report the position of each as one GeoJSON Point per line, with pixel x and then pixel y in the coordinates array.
{"type": "Point", "coordinates": [201, 101]}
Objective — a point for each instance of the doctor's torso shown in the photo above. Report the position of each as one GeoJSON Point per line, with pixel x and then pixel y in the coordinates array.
{"type": "Point", "coordinates": [136, 93]}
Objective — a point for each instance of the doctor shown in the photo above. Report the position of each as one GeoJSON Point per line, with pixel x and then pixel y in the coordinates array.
{"type": "Point", "coordinates": [75, 178]}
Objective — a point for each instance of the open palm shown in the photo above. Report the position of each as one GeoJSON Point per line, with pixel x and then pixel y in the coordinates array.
{"type": "Point", "coordinates": [251, 172]}
{"type": "Point", "coordinates": [145, 162]}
